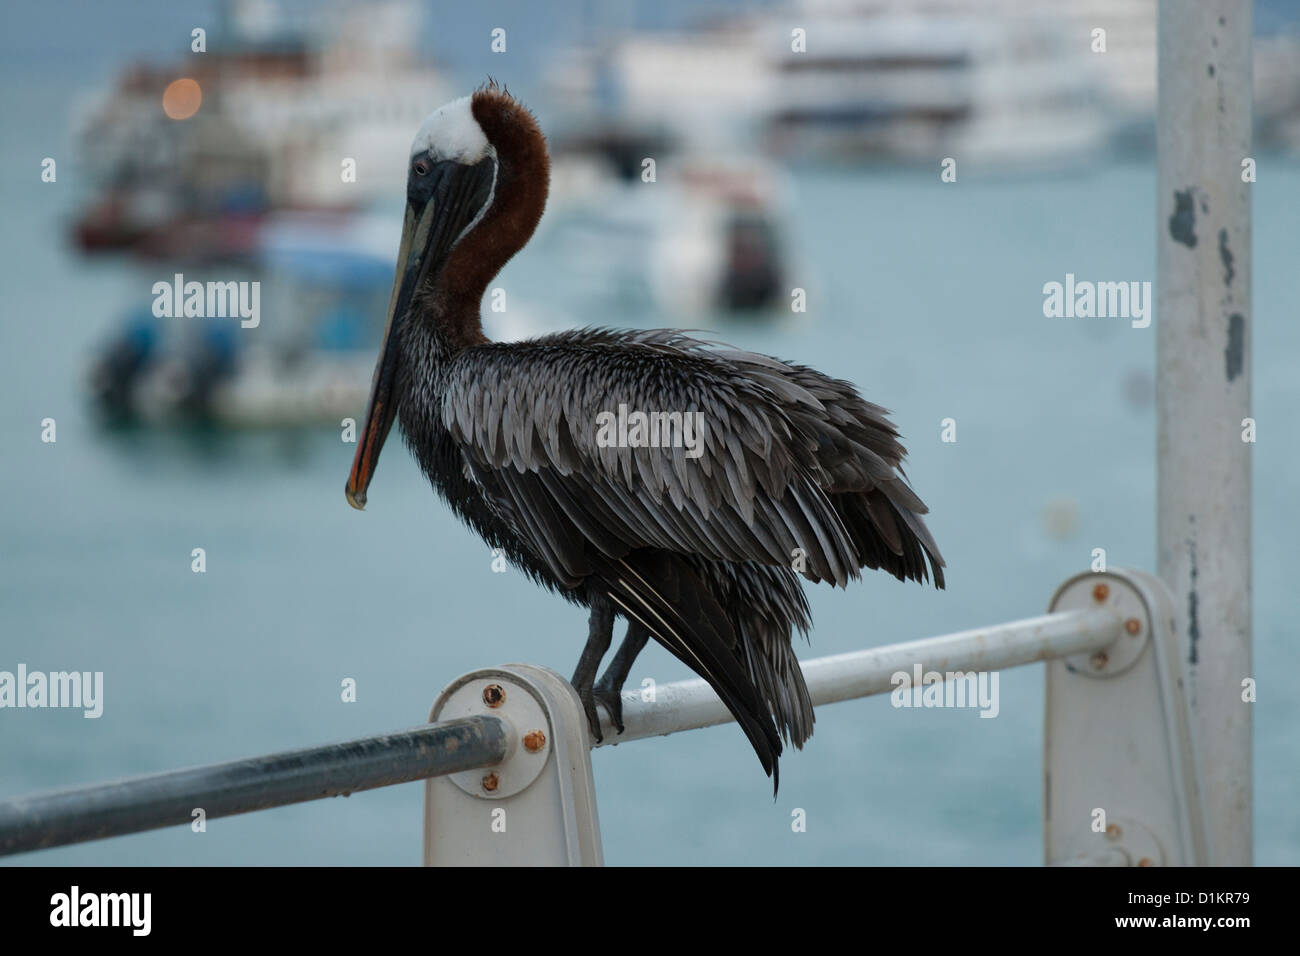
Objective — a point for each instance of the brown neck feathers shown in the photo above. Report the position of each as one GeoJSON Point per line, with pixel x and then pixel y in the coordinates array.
{"type": "Point", "coordinates": [523, 179]}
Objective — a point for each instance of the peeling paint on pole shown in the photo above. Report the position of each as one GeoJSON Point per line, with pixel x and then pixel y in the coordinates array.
{"type": "Point", "coordinates": [1182, 224]}
{"type": "Point", "coordinates": [1225, 254]}
{"type": "Point", "coordinates": [1203, 359]}
{"type": "Point", "coordinates": [1235, 353]}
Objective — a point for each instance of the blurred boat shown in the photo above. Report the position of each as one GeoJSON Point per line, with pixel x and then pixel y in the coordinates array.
{"type": "Point", "coordinates": [708, 237]}
{"type": "Point", "coordinates": [326, 280]}
{"type": "Point", "coordinates": [282, 105]}
{"type": "Point", "coordinates": [985, 82]}
{"type": "Point", "coordinates": [992, 83]}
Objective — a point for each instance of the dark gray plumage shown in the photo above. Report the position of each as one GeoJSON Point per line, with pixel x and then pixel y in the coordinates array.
{"type": "Point", "coordinates": [797, 471]}
{"type": "Point", "coordinates": [793, 460]}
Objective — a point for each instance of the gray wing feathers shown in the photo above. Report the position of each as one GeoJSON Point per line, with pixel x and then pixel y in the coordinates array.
{"type": "Point", "coordinates": [785, 448]}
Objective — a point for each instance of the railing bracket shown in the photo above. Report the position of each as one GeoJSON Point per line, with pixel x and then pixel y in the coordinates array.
{"type": "Point", "coordinates": [1118, 744]}
{"type": "Point", "coordinates": [1114, 592]}
{"type": "Point", "coordinates": [538, 805]}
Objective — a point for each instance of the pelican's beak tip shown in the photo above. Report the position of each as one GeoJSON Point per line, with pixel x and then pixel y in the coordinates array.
{"type": "Point", "coordinates": [356, 499]}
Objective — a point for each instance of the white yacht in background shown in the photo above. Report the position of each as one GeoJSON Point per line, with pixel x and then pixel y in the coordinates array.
{"type": "Point", "coordinates": [983, 81]}
{"type": "Point", "coordinates": [1001, 83]}
{"type": "Point", "coordinates": [284, 100]}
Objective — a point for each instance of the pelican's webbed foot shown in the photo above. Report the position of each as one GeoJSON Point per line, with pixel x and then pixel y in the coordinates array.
{"type": "Point", "coordinates": [612, 698]}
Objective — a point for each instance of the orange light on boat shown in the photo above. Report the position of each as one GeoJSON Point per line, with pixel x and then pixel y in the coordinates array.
{"type": "Point", "coordinates": [181, 99]}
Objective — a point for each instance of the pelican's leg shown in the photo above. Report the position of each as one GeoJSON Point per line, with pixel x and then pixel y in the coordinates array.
{"type": "Point", "coordinates": [609, 690]}
{"type": "Point", "coordinates": [600, 632]}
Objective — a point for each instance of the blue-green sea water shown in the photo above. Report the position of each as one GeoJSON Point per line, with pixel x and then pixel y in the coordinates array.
{"type": "Point", "coordinates": [928, 296]}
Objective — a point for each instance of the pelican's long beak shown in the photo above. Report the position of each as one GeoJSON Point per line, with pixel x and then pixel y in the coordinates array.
{"type": "Point", "coordinates": [440, 207]}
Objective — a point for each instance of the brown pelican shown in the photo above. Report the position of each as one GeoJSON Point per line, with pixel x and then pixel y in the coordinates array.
{"type": "Point", "coordinates": [795, 473]}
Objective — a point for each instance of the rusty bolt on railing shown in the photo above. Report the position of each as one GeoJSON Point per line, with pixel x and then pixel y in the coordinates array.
{"type": "Point", "coordinates": [534, 741]}
{"type": "Point", "coordinates": [494, 695]}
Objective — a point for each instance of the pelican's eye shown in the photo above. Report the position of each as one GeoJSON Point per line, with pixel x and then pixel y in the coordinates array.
{"type": "Point", "coordinates": [421, 168]}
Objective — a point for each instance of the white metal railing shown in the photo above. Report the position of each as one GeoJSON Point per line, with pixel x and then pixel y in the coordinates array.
{"type": "Point", "coordinates": [1120, 778]}
{"type": "Point", "coordinates": [507, 762]}
{"type": "Point", "coordinates": [689, 704]}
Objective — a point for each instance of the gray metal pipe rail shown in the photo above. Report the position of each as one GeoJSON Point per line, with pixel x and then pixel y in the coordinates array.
{"type": "Point", "coordinates": [74, 815]}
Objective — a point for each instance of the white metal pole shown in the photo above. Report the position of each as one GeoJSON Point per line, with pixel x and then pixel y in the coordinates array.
{"type": "Point", "coordinates": [1203, 381]}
